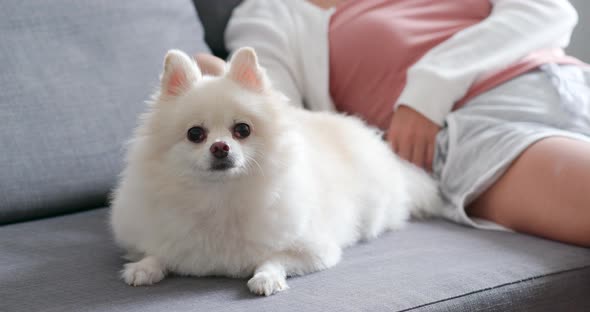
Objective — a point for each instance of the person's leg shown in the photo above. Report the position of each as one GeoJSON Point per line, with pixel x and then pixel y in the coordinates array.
{"type": "Point", "coordinates": [210, 64]}
{"type": "Point", "coordinates": [545, 192]}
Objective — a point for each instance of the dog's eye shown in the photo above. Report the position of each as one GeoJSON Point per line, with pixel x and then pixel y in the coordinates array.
{"type": "Point", "coordinates": [196, 134]}
{"type": "Point", "coordinates": [241, 131]}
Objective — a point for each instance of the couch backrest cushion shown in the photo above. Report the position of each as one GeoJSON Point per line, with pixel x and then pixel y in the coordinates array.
{"type": "Point", "coordinates": [580, 45]}
{"type": "Point", "coordinates": [74, 77]}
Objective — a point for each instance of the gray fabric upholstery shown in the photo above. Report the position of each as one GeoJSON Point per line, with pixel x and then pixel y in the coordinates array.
{"type": "Point", "coordinates": [74, 78]}
{"type": "Point", "coordinates": [70, 264]}
{"type": "Point", "coordinates": [214, 16]}
{"type": "Point", "coordinates": [531, 295]}
{"type": "Point", "coordinates": [580, 45]}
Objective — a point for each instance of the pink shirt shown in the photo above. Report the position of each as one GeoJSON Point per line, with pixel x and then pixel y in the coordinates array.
{"type": "Point", "coordinates": [373, 43]}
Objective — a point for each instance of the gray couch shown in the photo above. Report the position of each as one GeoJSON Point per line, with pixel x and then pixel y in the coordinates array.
{"type": "Point", "coordinates": [73, 79]}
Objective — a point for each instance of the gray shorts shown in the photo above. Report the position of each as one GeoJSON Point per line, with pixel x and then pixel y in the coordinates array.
{"type": "Point", "coordinates": [479, 141]}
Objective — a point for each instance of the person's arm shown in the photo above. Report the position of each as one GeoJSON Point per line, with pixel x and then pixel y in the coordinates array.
{"type": "Point", "coordinates": [514, 29]}
{"type": "Point", "coordinates": [265, 25]}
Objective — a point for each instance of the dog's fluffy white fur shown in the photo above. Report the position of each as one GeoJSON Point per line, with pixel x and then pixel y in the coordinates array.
{"type": "Point", "coordinates": [290, 196]}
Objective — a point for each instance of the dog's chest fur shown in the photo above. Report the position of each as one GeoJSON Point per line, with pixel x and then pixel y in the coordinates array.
{"type": "Point", "coordinates": [211, 233]}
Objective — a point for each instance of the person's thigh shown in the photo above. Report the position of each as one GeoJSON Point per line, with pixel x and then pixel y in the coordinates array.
{"type": "Point", "coordinates": [517, 130]}
{"type": "Point", "coordinates": [545, 192]}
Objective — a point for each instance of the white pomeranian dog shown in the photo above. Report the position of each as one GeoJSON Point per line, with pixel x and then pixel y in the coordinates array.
{"type": "Point", "coordinates": [224, 177]}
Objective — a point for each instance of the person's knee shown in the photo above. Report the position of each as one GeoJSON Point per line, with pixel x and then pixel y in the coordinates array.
{"type": "Point", "coordinates": [210, 64]}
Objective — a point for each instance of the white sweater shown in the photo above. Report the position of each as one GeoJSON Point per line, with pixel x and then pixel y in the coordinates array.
{"type": "Point", "coordinates": [291, 39]}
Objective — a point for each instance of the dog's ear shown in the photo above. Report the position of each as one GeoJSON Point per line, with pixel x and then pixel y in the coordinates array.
{"type": "Point", "coordinates": [244, 69]}
{"type": "Point", "coordinates": [180, 72]}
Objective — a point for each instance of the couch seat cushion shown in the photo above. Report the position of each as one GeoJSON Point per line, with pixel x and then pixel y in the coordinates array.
{"type": "Point", "coordinates": [71, 264]}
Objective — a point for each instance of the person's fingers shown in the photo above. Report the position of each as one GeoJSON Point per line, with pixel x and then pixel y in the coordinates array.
{"type": "Point", "coordinates": [419, 153]}
{"type": "Point", "coordinates": [429, 156]}
{"type": "Point", "coordinates": [391, 138]}
{"type": "Point", "coordinates": [404, 149]}
{"type": "Point", "coordinates": [394, 145]}
{"type": "Point", "coordinates": [210, 64]}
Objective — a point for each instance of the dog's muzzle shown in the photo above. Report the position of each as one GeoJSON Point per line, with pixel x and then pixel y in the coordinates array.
{"type": "Point", "coordinates": [222, 164]}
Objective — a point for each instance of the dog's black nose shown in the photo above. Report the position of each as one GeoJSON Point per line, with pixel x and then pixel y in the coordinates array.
{"type": "Point", "coordinates": [219, 149]}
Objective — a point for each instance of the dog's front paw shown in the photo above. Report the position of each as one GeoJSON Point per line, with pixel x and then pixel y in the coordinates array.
{"type": "Point", "coordinates": [144, 272]}
{"type": "Point", "coordinates": [267, 283]}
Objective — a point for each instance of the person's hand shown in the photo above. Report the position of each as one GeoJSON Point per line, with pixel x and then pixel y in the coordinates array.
{"type": "Point", "coordinates": [326, 4]}
{"type": "Point", "coordinates": [210, 64]}
{"type": "Point", "coordinates": [412, 136]}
